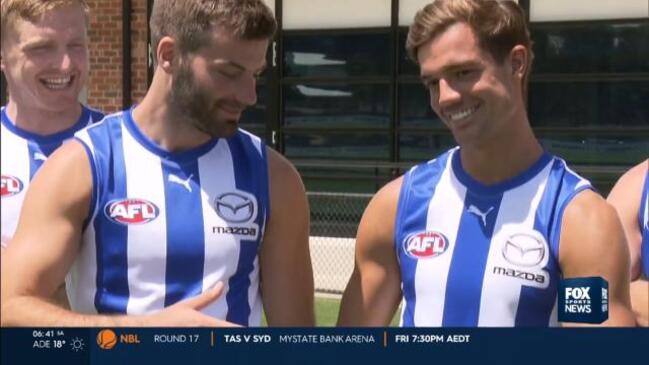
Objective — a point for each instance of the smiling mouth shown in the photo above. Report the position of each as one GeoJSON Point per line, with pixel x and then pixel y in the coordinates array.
{"type": "Point", "coordinates": [462, 113]}
{"type": "Point", "coordinates": [231, 109]}
{"type": "Point", "coordinates": [57, 83]}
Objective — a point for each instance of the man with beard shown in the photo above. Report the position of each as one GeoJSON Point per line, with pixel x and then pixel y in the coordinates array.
{"type": "Point", "coordinates": [162, 213]}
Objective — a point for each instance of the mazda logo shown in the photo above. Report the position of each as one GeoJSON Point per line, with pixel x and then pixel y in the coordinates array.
{"type": "Point", "coordinates": [235, 207]}
{"type": "Point", "coordinates": [525, 249]}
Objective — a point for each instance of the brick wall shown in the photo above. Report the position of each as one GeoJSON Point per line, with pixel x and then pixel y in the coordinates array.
{"type": "Point", "coordinates": [105, 84]}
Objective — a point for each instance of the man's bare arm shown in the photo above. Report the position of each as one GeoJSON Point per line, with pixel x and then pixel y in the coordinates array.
{"type": "Point", "coordinates": [285, 262]}
{"type": "Point", "coordinates": [593, 244]}
{"type": "Point", "coordinates": [374, 289]}
{"type": "Point", "coordinates": [47, 242]}
{"type": "Point", "coordinates": [625, 197]}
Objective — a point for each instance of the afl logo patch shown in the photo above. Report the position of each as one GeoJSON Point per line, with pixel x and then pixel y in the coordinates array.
{"type": "Point", "coordinates": [10, 186]}
{"type": "Point", "coordinates": [425, 244]}
{"type": "Point", "coordinates": [131, 211]}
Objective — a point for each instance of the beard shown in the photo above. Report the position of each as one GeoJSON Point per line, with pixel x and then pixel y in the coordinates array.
{"type": "Point", "coordinates": [193, 105]}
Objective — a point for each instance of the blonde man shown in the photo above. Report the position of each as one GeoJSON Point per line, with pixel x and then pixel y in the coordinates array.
{"type": "Point", "coordinates": [44, 57]}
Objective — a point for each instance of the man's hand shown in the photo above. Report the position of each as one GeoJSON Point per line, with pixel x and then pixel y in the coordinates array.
{"type": "Point", "coordinates": [187, 313]}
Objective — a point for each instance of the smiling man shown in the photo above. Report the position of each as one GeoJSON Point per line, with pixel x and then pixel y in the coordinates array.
{"type": "Point", "coordinates": [481, 235]}
{"type": "Point", "coordinates": [168, 214]}
{"type": "Point", "coordinates": [45, 61]}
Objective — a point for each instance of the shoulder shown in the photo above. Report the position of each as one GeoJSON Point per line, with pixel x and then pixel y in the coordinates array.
{"type": "Point", "coordinates": [388, 195]}
{"type": "Point", "coordinates": [285, 182]}
{"type": "Point", "coordinates": [630, 185]}
{"type": "Point", "coordinates": [70, 154]}
{"type": "Point", "coordinates": [380, 214]}
{"type": "Point", "coordinates": [279, 166]}
{"type": "Point", "coordinates": [588, 207]}
{"type": "Point", "coordinates": [590, 227]}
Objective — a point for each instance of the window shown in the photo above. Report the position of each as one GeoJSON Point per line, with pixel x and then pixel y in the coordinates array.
{"type": "Point", "coordinates": [599, 104]}
{"type": "Point", "coordinates": [336, 55]}
{"type": "Point", "coordinates": [337, 106]}
{"type": "Point", "coordinates": [587, 48]}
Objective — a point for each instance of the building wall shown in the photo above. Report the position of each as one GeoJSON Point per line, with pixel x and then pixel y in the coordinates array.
{"type": "Point", "coordinates": [106, 52]}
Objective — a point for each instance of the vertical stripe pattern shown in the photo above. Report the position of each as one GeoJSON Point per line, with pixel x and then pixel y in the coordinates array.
{"type": "Point", "coordinates": [499, 266]}
{"type": "Point", "coordinates": [23, 153]}
{"type": "Point", "coordinates": [168, 226]}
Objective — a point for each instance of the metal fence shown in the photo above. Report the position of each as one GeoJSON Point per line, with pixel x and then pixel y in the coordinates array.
{"type": "Point", "coordinates": [334, 221]}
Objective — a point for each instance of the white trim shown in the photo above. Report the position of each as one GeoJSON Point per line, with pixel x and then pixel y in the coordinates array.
{"type": "Point", "coordinates": [335, 14]}
{"type": "Point", "coordinates": [558, 10]}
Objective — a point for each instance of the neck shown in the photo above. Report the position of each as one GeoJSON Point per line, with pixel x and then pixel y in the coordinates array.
{"type": "Point", "coordinates": [503, 158]}
{"type": "Point", "coordinates": [159, 123]}
{"type": "Point", "coordinates": [42, 122]}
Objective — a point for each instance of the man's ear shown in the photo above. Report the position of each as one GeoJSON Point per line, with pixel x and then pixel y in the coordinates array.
{"type": "Point", "coordinates": [519, 57]}
{"type": "Point", "coordinates": [165, 53]}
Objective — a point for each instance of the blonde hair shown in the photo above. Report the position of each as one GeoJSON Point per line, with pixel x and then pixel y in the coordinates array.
{"type": "Point", "coordinates": [31, 10]}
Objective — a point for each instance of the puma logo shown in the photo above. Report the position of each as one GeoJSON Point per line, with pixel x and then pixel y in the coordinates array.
{"type": "Point", "coordinates": [473, 209]}
{"type": "Point", "coordinates": [39, 156]}
{"type": "Point", "coordinates": [185, 183]}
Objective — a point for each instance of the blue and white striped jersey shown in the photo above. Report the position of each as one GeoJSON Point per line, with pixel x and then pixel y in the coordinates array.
{"type": "Point", "coordinates": [643, 223]}
{"type": "Point", "coordinates": [23, 153]}
{"type": "Point", "coordinates": [166, 226]}
{"type": "Point", "coordinates": [476, 255]}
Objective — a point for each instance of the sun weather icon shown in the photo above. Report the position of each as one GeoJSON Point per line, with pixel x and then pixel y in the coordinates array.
{"type": "Point", "coordinates": [77, 344]}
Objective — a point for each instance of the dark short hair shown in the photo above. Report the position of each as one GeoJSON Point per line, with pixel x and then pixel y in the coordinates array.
{"type": "Point", "coordinates": [188, 21]}
{"type": "Point", "coordinates": [499, 25]}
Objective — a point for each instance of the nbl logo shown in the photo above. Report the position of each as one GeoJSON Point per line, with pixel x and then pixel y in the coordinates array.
{"type": "Point", "coordinates": [583, 300]}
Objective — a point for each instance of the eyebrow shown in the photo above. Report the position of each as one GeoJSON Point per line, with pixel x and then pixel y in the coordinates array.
{"type": "Point", "coordinates": [49, 42]}
{"type": "Point", "coordinates": [238, 66]}
{"type": "Point", "coordinates": [450, 68]}
{"type": "Point", "coordinates": [38, 43]}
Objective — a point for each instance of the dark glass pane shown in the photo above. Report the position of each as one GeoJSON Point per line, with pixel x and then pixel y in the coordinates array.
{"type": "Point", "coordinates": [348, 146]}
{"type": "Point", "coordinates": [406, 65]}
{"type": "Point", "coordinates": [255, 116]}
{"type": "Point", "coordinates": [343, 179]}
{"type": "Point", "coordinates": [339, 106]}
{"type": "Point", "coordinates": [603, 181]}
{"type": "Point", "coordinates": [597, 104]}
{"type": "Point", "coordinates": [341, 55]}
{"type": "Point", "coordinates": [599, 150]}
{"type": "Point", "coordinates": [591, 47]}
{"type": "Point", "coordinates": [422, 147]}
{"type": "Point", "coordinates": [414, 107]}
